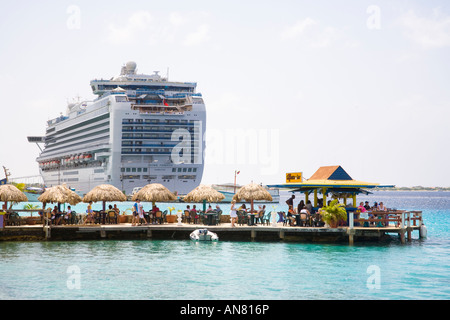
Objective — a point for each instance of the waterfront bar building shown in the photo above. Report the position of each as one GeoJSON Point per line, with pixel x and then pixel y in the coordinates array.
{"type": "Point", "coordinates": [333, 180]}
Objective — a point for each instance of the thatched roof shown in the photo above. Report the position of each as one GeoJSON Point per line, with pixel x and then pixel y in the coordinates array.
{"type": "Point", "coordinates": [104, 192]}
{"type": "Point", "coordinates": [204, 192]}
{"type": "Point", "coordinates": [9, 192]}
{"type": "Point", "coordinates": [59, 194]}
{"type": "Point", "coordinates": [252, 191]}
{"type": "Point", "coordinates": [154, 192]}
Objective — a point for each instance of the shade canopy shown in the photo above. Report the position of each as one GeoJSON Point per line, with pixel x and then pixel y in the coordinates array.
{"type": "Point", "coordinates": [59, 194]}
{"type": "Point", "coordinates": [9, 192]}
{"type": "Point", "coordinates": [252, 191]}
{"type": "Point", "coordinates": [105, 193]}
{"type": "Point", "coordinates": [154, 192]}
{"type": "Point", "coordinates": [204, 193]}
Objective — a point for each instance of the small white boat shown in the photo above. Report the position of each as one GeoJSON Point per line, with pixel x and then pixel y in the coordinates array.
{"type": "Point", "coordinates": [203, 235]}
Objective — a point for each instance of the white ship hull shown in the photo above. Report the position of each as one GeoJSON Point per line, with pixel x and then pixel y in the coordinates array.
{"type": "Point", "coordinates": [128, 137]}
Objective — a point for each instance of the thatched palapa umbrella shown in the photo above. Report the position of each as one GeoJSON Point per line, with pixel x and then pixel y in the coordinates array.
{"type": "Point", "coordinates": [59, 194]}
{"type": "Point", "coordinates": [10, 193]}
{"type": "Point", "coordinates": [154, 192]}
{"type": "Point", "coordinates": [104, 193]}
{"type": "Point", "coordinates": [204, 193]}
{"type": "Point", "coordinates": [251, 192]}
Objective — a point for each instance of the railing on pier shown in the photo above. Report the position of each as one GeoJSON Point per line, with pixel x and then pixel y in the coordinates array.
{"type": "Point", "coordinates": [401, 218]}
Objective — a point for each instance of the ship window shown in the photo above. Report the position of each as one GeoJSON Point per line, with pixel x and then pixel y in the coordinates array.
{"type": "Point", "coordinates": [184, 169]}
{"type": "Point", "coordinates": [189, 169]}
{"type": "Point", "coordinates": [144, 169]}
{"type": "Point", "coordinates": [174, 170]}
{"type": "Point", "coordinates": [128, 170]}
{"type": "Point", "coordinates": [139, 169]}
{"type": "Point", "coordinates": [121, 99]}
{"type": "Point", "coordinates": [179, 169]}
{"type": "Point", "coordinates": [133, 169]}
{"type": "Point", "coordinates": [194, 170]}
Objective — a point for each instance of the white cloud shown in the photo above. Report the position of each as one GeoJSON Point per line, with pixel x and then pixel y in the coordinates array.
{"type": "Point", "coordinates": [143, 27]}
{"type": "Point", "coordinates": [312, 33]}
{"type": "Point", "coordinates": [429, 32]}
{"type": "Point", "coordinates": [297, 29]}
{"type": "Point", "coordinates": [136, 23]}
{"type": "Point", "coordinates": [197, 37]}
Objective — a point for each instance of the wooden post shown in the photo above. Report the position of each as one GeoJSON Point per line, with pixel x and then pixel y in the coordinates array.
{"type": "Point", "coordinates": [354, 200]}
{"type": "Point", "coordinates": [402, 228]}
{"type": "Point", "coordinates": [408, 229]}
{"type": "Point", "coordinates": [351, 233]}
{"type": "Point", "coordinates": [315, 197]}
{"type": "Point", "coordinates": [351, 230]}
{"type": "Point", "coordinates": [306, 197]}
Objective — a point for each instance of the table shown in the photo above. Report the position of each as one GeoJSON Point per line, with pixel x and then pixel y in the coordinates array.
{"type": "Point", "coordinates": [209, 218]}
{"type": "Point", "coordinates": [251, 221]}
{"type": "Point", "coordinates": [297, 218]}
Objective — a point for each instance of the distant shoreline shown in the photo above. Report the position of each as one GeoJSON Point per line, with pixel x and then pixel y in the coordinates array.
{"type": "Point", "coordinates": [436, 189]}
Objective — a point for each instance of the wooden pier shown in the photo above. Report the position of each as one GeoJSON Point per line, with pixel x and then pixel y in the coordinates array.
{"type": "Point", "coordinates": [408, 222]}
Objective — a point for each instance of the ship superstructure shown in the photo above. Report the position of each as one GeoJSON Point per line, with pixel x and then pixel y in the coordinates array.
{"type": "Point", "coordinates": [140, 129]}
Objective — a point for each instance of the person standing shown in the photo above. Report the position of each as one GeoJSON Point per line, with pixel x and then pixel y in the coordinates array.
{"type": "Point", "coordinates": [90, 214]}
{"type": "Point", "coordinates": [136, 213]}
{"type": "Point", "coordinates": [290, 201]}
{"type": "Point", "coordinates": [233, 214]}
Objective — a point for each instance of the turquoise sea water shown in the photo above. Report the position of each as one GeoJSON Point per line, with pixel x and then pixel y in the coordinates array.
{"type": "Point", "coordinates": [171, 270]}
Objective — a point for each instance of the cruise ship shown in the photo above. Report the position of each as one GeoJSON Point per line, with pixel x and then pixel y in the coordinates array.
{"type": "Point", "coordinates": [139, 129]}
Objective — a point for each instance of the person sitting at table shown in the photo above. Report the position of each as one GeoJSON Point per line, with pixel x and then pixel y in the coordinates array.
{"type": "Point", "coordinates": [375, 206]}
{"type": "Point", "coordinates": [194, 213]}
{"type": "Point", "coordinates": [361, 207]}
{"type": "Point", "coordinates": [152, 213]}
{"type": "Point", "coordinates": [68, 215]}
{"type": "Point", "coordinates": [300, 206]}
{"type": "Point", "coordinates": [261, 211]}
{"type": "Point", "coordinates": [57, 215]}
{"type": "Point", "coordinates": [309, 207]}
{"type": "Point", "coordinates": [218, 208]}
{"type": "Point", "coordinates": [243, 208]}
{"type": "Point", "coordinates": [381, 207]}
{"type": "Point", "coordinates": [116, 210]}
{"type": "Point", "coordinates": [290, 216]}
{"type": "Point", "coordinates": [364, 215]}
{"type": "Point", "coordinates": [111, 214]}
{"type": "Point", "coordinates": [209, 209]}
{"type": "Point", "coordinates": [367, 206]}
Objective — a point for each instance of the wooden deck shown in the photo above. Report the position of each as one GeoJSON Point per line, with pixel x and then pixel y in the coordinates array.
{"type": "Point", "coordinates": [173, 231]}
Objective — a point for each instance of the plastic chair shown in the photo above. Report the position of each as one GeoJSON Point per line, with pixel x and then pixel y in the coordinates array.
{"type": "Point", "coordinates": [158, 217]}
{"type": "Point", "coordinates": [242, 217]}
{"type": "Point", "coordinates": [112, 218]}
{"type": "Point", "coordinates": [266, 218]}
{"type": "Point", "coordinates": [218, 216]}
{"type": "Point", "coordinates": [187, 216]}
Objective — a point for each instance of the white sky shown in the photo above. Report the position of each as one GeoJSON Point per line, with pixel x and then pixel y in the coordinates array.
{"type": "Point", "coordinates": [362, 84]}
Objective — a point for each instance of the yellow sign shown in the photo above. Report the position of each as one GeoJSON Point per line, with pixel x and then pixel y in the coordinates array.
{"type": "Point", "coordinates": [294, 177]}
